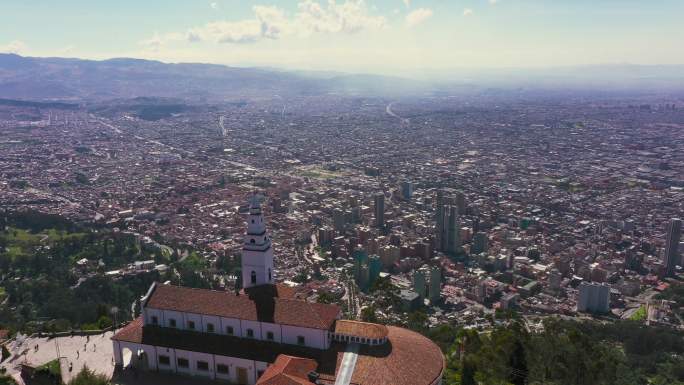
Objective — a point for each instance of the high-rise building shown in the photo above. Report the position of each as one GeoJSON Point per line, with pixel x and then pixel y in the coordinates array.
{"type": "Point", "coordinates": [443, 228]}
{"type": "Point", "coordinates": [435, 284]}
{"type": "Point", "coordinates": [339, 221]}
{"type": "Point", "coordinates": [374, 267]}
{"type": "Point", "coordinates": [674, 234]}
{"type": "Point", "coordinates": [441, 220]}
{"type": "Point", "coordinates": [454, 231]}
{"type": "Point", "coordinates": [419, 284]}
{"type": "Point", "coordinates": [356, 214]}
{"type": "Point", "coordinates": [460, 202]}
{"type": "Point", "coordinates": [480, 243]}
{"type": "Point", "coordinates": [366, 269]}
{"type": "Point", "coordinates": [379, 200]}
{"type": "Point", "coordinates": [406, 190]}
{"type": "Point", "coordinates": [360, 259]}
{"type": "Point", "coordinates": [363, 281]}
{"type": "Point", "coordinates": [593, 298]}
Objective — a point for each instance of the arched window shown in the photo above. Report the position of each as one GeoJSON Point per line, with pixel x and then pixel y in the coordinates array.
{"type": "Point", "coordinates": [252, 240]}
{"type": "Point", "coordinates": [269, 274]}
{"type": "Point", "coordinates": [253, 277]}
{"type": "Point", "coordinates": [252, 220]}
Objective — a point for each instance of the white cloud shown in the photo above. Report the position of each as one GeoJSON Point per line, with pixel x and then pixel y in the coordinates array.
{"type": "Point", "coordinates": [15, 46]}
{"type": "Point", "coordinates": [350, 16]}
{"type": "Point", "coordinates": [493, 2]}
{"type": "Point", "coordinates": [268, 23]}
{"type": "Point", "coordinates": [418, 16]}
{"type": "Point", "coordinates": [271, 22]}
{"type": "Point", "coordinates": [67, 50]}
{"type": "Point", "coordinates": [155, 42]}
{"type": "Point", "coordinates": [467, 12]}
{"type": "Point", "coordinates": [215, 5]}
{"type": "Point", "coordinates": [407, 3]}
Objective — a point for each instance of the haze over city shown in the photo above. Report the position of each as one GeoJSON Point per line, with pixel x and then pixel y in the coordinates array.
{"type": "Point", "coordinates": [409, 37]}
{"type": "Point", "coordinates": [341, 192]}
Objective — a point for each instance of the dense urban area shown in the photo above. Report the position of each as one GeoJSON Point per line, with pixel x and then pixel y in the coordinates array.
{"type": "Point", "coordinates": [540, 225]}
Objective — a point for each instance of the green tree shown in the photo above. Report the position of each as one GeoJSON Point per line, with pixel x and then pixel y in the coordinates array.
{"type": "Point", "coordinates": [368, 314]}
{"type": "Point", "coordinates": [88, 377]}
{"type": "Point", "coordinates": [326, 297]}
{"type": "Point", "coordinates": [417, 321]}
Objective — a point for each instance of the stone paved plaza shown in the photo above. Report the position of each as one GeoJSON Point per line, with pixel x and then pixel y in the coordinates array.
{"type": "Point", "coordinates": [97, 356]}
{"type": "Point", "coordinates": [75, 351]}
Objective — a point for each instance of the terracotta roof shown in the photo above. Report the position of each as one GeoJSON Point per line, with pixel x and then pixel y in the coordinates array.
{"type": "Point", "coordinates": [288, 370]}
{"type": "Point", "coordinates": [360, 329]}
{"type": "Point", "coordinates": [408, 358]}
{"type": "Point", "coordinates": [277, 290]}
{"type": "Point", "coordinates": [254, 307]}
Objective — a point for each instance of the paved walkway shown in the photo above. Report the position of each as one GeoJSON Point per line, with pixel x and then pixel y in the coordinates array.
{"type": "Point", "coordinates": [95, 352]}
{"type": "Point", "coordinates": [344, 374]}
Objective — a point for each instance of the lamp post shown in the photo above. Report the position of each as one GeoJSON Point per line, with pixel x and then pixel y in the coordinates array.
{"type": "Point", "coordinates": [114, 311]}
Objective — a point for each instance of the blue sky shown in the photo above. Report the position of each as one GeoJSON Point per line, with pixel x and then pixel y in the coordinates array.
{"type": "Point", "coordinates": [384, 36]}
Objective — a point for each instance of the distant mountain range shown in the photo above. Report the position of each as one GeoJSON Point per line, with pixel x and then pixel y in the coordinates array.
{"type": "Point", "coordinates": [75, 79]}
{"type": "Point", "coordinates": [31, 78]}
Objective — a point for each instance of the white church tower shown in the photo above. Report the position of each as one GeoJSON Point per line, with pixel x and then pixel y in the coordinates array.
{"type": "Point", "coordinates": [257, 253]}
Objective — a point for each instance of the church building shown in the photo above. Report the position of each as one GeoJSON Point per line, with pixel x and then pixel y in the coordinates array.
{"type": "Point", "coordinates": [264, 335]}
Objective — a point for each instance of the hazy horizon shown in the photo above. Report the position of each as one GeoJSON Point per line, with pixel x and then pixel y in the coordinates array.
{"type": "Point", "coordinates": [388, 37]}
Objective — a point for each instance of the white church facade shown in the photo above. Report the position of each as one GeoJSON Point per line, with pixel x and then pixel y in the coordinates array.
{"type": "Point", "coordinates": [263, 332]}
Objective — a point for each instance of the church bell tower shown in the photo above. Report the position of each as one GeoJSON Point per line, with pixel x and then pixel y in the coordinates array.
{"type": "Point", "coordinates": [257, 253]}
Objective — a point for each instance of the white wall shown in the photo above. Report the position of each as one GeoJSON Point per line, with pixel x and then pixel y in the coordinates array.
{"type": "Point", "coordinates": [148, 313]}
{"type": "Point", "coordinates": [196, 318]}
{"type": "Point", "coordinates": [208, 358]}
{"type": "Point", "coordinates": [254, 325]}
{"type": "Point", "coordinates": [269, 327]}
{"type": "Point", "coordinates": [178, 316]}
{"type": "Point", "coordinates": [216, 321]}
{"type": "Point", "coordinates": [118, 358]}
{"type": "Point", "coordinates": [251, 367]}
{"type": "Point", "coordinates": [235, 323]}
{"type": "Point", "coordinates": [171, 353]}
{"type": "Point", "coordinates": [150, 353]}
{"type": "Point", "coordinates": [312, 337]}
{"type": "Point", "coordinates": [234, 363]}
{"type": "Point", "coordinates": [188, 356]}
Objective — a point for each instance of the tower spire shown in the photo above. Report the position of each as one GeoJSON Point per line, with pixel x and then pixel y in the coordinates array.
{"type": "Point", "coordinates": [257, 251]}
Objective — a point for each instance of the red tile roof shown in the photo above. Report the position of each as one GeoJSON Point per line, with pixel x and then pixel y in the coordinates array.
{"type": "Point", "coordinates": [288, 370]}
{"type": "Point", "coordinates": [408, 358]}
{"type": "Point", "coordinates": [255, 307]}
{"type": "Point", "coordinates": [360, 329]}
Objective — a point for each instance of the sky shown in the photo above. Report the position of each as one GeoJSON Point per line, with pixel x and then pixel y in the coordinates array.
{"type": "Point", "coordinates": [373, 36]}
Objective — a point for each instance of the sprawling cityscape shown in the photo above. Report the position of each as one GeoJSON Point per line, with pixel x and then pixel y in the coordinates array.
{"type": "Point", "coordinates": [341, 192]}
{"type": "Point", "coordinates": [459, 209]}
